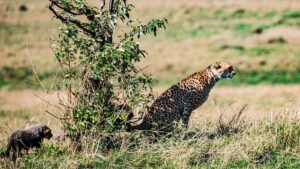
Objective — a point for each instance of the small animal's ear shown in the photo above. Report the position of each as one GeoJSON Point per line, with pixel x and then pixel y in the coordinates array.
{"type": "Point", "coordinates": [46, 129]}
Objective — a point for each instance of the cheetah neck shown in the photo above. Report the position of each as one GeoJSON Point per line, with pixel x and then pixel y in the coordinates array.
{"type": "Point", "coordinates": [201, 80]}
{"type": "Point", "coordinates": [207, 78]}
{"type": "Point", "coordinates": [212, 78]}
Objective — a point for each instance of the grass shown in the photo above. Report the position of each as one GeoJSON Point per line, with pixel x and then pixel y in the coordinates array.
{"type": "Point", "coordinates": [11, 34]}
{"type": "Point", "coordinates": [261, 51]}
{"type": "Point", "coordinates": [216, 21]}
{"type": "Point", "coordinates": [255, 77]}
{"type": "Point", "coordinates": [243, 29]}
{"type": "Point", "coordinates": [265, 144]}
{"type": "Point", "coordinates": [14, 115]}
{"type": "Point", "coordinates": [24, 77]}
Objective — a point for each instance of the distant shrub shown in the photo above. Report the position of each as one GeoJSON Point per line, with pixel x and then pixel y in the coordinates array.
{"type": "Point", "coordinates": [260, 51]}
{"type": "Point", "coordinates": [292, 15]}
{"type": "Point", "coordinates": [277, 40]}
{"type": "Point", "coordinates": [238, 13]}
{"type": "Point", "coordinates": [243, 28]}
{"type": "Point", "coordinates": [236, 47]}
{"type": "Point", "coordinates": [23, 8]}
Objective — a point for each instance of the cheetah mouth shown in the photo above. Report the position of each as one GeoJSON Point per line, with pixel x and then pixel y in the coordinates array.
{"type": "Point", "coordinates": [230, 76]}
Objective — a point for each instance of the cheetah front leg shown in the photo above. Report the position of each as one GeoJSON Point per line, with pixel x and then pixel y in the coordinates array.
{"type": "Point", "coordinates": [186, 115]}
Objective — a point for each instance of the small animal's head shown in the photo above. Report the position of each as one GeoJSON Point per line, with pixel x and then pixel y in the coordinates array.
{"type": "Point", "coordinates": [222, 70]}
{"type": "Point", "coordinates": [47, 132]}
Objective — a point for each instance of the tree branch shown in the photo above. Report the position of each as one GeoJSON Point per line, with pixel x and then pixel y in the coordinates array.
{"type": "Point", "coordinates": [69, 19]}
{"type": "Point", "coordinates": [102, 5]}
{"type": "Point", "coordinates": [65, 9]}
{"type": "Point", "coordinates": [112, 6]}
{"type": "Point", "coordinates": [60, 118]}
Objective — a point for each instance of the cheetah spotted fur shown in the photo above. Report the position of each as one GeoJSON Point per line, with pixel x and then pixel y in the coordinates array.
{"type": "Point", "coordinates": [177, 103]}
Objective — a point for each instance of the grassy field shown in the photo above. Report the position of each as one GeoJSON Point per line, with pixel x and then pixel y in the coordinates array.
{"type": "Point", "coordinates": [261, 38]}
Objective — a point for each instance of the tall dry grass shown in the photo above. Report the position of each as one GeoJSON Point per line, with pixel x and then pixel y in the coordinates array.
{"type": "Point", "coordinates": [231, 141]}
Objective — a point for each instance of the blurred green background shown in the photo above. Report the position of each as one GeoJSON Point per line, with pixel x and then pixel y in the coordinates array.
{"type": "Point", "coordinates": [261, 39]}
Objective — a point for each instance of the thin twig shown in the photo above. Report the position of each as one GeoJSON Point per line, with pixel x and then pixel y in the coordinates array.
{"type": "Point", "coordinates": [237, 116]}
{"type": "Point", "coordinates": [60, 118]}
{"type": "Point", "coordinates": [102, 5]}
{"type": "Point", "coordinates": [34, 70]}
{"type": "Point", "coordinates": [58, 96]}
{"type": "Point", "coordinates": [53, 82]}
{"type": "Point", "coordinates": [142, 69]}
{"type": "Point", "coordinates": [65, 105]}
{"type": "Point", "coordinates": [48, 102]}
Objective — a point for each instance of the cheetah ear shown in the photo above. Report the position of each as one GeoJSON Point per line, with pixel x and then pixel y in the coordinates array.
{"type": "Point", "coordinates": [216, 66]}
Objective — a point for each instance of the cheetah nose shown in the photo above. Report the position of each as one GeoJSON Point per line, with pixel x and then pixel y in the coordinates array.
{"type": "Point", "coordinates": [233, 73]}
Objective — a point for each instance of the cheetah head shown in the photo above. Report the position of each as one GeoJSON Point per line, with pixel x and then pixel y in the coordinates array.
{"type": "Point", "coordinates": [222, 70]}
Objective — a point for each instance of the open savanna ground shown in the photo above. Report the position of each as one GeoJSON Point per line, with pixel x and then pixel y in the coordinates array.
{"type": "Point", "coordinates": [261, 38]}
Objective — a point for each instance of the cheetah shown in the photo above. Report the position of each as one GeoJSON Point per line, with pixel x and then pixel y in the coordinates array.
{"type": "Point", "coordinates": [24, 139]}
{"type": "Point", "coordinates": [177, 103]}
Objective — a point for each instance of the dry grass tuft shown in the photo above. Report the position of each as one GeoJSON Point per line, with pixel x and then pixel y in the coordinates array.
{"type": "Point", "coordinates": [232, 126]}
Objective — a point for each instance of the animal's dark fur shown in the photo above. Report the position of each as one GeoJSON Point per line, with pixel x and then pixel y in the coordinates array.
{"type": "Point", "coordinates": [24, 139]}
{"type": "Point", "coordinates": [2, 155]}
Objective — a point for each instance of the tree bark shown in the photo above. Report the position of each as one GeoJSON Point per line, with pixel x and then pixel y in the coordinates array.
{"type": "Point", "coordinates": [111, 6]}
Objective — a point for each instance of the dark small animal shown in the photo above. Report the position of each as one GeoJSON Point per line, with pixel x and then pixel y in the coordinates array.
{"type": "Point", "coordinates": [24, 139]}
